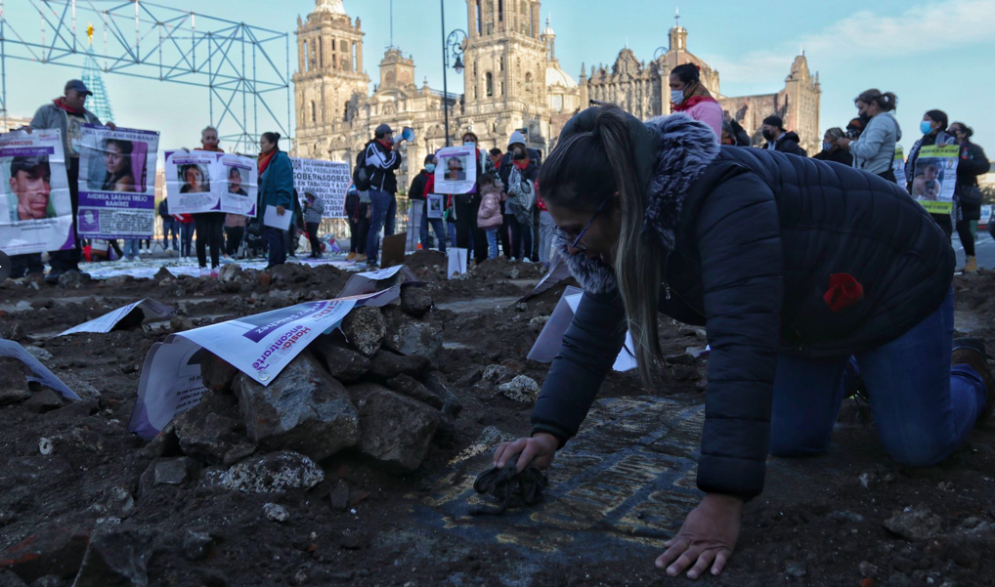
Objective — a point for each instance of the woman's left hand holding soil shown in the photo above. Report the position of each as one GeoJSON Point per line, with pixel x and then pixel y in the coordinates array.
{"type": "Point", "coordinates": [706, 539]}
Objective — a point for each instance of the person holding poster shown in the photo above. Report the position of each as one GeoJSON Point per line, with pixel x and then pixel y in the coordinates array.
{"type": "Point", "coordinates": [208, 225]}
{"type": "Point", "coordinates": [973, 163]}
{"type": "Point", "coordinates": [68, 114]}
{"type": "Point", "coordinates": [276, 194]}
{"type": "Point", "coordinates": [933, 127]}
{"type": "Point", "coordinates": [468, 204]}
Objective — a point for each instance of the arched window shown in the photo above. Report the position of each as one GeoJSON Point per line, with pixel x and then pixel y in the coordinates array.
{"type": "Point", "coordinates": [355, 57]}
{"type": "Point", "coordinates": [500, 10]}
{"type": "Point", "coordinates": [489, 84]}
{"type": "Point", "coordinates": [502, 63]}
{"type": "Point", "coordinates": [528, 83]}
{"type": "Point", "coordinates": [502, 88]}
{"type": "Point", "coordinates": [479, 27]}
{"type": "Point", "coordinates": [321, 54]}
{"type": "Point", "coordinates": [306, 56]}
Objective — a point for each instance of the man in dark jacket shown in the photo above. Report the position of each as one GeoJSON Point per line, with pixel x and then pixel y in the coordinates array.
{"type": "Point", "coordinates": [416, 204]}
{"type": "Point", "coordinates": [780, 140]}
{"type": "Point", "coordinates": [381, 163]}
{"type": "Point", "coordinates": [169, 226]}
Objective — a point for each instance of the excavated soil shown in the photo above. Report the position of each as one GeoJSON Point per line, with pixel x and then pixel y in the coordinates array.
{"type": "Point", "coordinates": [820, 522]}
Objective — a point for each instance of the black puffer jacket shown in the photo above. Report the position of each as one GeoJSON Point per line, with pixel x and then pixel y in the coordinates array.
{"type": "Point", "coordinates": [754, 237]}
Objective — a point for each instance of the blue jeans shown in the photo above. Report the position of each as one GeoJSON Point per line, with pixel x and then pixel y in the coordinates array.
{"type": "Point", "coordinates": [276, 239]}
{"type": "Point", "coordinates": [169, 227]}
{"type": "Point", "coordinates": [384, 211]}
{"type": "Point", "coordinates": [923, 408]}
{"type": "Point", "coordinates": [438, 227]}
{"type": "Point", "coordinates": [131, 248]}
{"type": "Point", "coordinates": [186, 239]}
{"type": "Point", "coordinates": [492, 242]}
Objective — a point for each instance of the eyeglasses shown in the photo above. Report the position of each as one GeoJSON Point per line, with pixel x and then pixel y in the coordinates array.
{"type": "Point", "coordinates": [560, 233]}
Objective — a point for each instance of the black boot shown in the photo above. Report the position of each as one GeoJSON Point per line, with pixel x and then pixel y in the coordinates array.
{"type": "Point", "coordinates": [971, 352]}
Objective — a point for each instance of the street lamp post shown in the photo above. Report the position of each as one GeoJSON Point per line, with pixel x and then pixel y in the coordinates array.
{"type": "Point", "coordinates": [455, 42]}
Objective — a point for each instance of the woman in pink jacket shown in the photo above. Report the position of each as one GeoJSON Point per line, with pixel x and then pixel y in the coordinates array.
{"type": "Point", "coordinates": [489, 216]}
{"type": "Point", "coordinates": [689, 96]}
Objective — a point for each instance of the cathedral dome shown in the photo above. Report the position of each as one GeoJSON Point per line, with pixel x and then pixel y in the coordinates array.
{"type": "Point", "coordinates": [557, 77]}
{"type": "Point", "coordinates": [330, 6]}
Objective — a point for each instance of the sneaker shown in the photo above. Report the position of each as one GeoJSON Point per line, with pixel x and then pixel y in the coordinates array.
{"type": "Point", "coordinates": [351, 257]}
{"type": "Point", "coordinates": [360, 259]}
{"type": "Point", "coordinates": [971, 352]}
{"type": "Point", "coordinates": [971, 264]}
{"type": "Point", "coordinates": [205, 272]}
{"type": "Point", "coordinates": [214, 273]}
{"type": "Point", "coordinates": [372, 266]}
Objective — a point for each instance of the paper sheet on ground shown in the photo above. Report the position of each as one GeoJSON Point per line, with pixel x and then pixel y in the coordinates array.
{"type": "Point", "coordinates": [260, 346]}
{"type": "Point", "coordinates": [151, 309]}
{"type": "Point", "coordinates": [548, 344]}
{"type": "Point", "coordinates": [370, 281]}
{"type": "Point", "coordinates": [39, 373]}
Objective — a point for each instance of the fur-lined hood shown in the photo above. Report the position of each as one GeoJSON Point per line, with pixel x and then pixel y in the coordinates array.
{"type": "Point", "coordinates": [685, 147]}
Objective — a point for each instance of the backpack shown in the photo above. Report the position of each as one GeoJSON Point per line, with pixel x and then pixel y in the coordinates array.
{"type": "Point", "coordinates": [360, 174]}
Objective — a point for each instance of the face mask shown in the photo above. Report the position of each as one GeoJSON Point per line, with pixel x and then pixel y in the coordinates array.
{"type": "Point", "coordinates": [926, 127]}
{"type": "Point", "coordinates": [518, 156]}
{"type": "Point", "coordinates": [430, 167]}
{"type": "Point", "coordinates": [469, 144]}
{"type": "Point", "coordinates": [676, 97]}
{"type": "Point", "coordinates": [826, 145]}
{"type": "Point", "coordinates": [768, 135]}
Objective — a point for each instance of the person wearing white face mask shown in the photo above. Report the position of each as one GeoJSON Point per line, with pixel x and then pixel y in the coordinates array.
{"type": "Point", "coordinates": [468, 234]}
{"type": "Point", "coordinates": [934, 130]}
{"type": "Point", "coordinates": [689, 96]}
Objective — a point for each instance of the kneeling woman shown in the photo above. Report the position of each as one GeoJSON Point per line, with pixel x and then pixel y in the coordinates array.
{"type": "Point", "coordinates": [794, 266]}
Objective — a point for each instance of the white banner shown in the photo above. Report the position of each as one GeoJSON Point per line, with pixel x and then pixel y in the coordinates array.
{"type": "Point", "coordinates": [151, 310]}
{"type": "Point", "coordinates": [327, 180]}
{"type": "Point", "coordinates": [117, 182]}
{"type": "Point", "coordinates": [456, 172]}
{"type": "Point", "coordinates": [39, 373]}
{"type": "Point", "coordinates": [260, 346]}
{"type": "Point", "coordinates": [37, 213]}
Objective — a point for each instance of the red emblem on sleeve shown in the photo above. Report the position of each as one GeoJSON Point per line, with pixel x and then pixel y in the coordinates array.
{"type": "Point", "coordinates": [844, 291]}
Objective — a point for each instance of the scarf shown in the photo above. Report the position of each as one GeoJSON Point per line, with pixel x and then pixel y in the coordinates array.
{"type": "Point", "coordinates": [386, 145]}
{"type": "Point", "coordinates": [264, 160]}
{"type": "Point", "coordinates": [693, 95]}
{"type": "Point", "coordinates": [61, 103]}
{"type": "Point", "coordinates": [523, 164]}
{"type": "Point", "coordinates": [213, 150]}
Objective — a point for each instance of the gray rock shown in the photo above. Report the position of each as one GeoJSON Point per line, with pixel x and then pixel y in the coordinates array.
{"type": "Point", "coordinates": [229, 273]}
{"type": "Point", "coordinates": [13, 381]}
{"type": "Point", "coordinates": [162, 274]}
{"type": "Point", "coordinates": [9, 579]}
{"type": "Point", "coordinates": [81, 386]}
{"type": "Point", "coordinates": [394, 430]}
{"type": "Point", "coordinates": [408, 386]}
{"type": "Point", "coordinates": [867, 569]}
{"type": "Point", "coordinates": [118, 281]}
{"type": "Point", "coordinates": [216, 374]}
{"type": "Point", "coordinates": [437, 383]}
{"type": "Point", "coordinates": [471, 378]}
{"type": "Point", "coordinates": [303, 410]}
{"type": "Point", "coordinates": [914, 524]}
{"type": "Point", "coordinates": [180, 324]}
{"type": "Point", "coordinates": [270, 473]}
{"type": "Point", "coordinates": [415, 301]}
{"type": "Point", "coordinates": [844, 516]}
{"type": "Point", "coordinates": [45, 400]}
{"type": "Point", "coordinates": [343, 363]}
{"type": "Point", "coordinates": [173, 471]}
{"type": "Point", "coordinates": [287, 274]}
{"type": "Point", "coordinates": [521, 389]}
{"type": "Point", "coordinates": [237, 453]}
{"type": "Point", "coordinates": [387, 365]}
{"type": "Point", "coordinates": [73, 279]}
{"type": "Point", "coordinates": [408, 336]}
{"type": "Point", "coordinates": [115, 557]}
{"type": "Point", "coordinates": [276, 512]}
{"type": "Point", "coordinates": [977, 532]}
{"type": "Point", "coordinates": [197, 546]}
{"type": "Point", "coordinates": [39, 353]}
{"type": "Point", "coordinates": [210, 429]}
{"type": "Point", "coordinates": [796, 569]}
{"type": "Point", "coordinates": [116, 501]}
{"type": "Point", "coordinates": [497, 374]}
{"type": "Point", "coordinates": [365, 329]}
{"type": "Point", "coordinates": [48, 581]}
{"type": "Point", "coordinates": [537, 323]}
{"type": "Point", "coordinates": [340, 496]}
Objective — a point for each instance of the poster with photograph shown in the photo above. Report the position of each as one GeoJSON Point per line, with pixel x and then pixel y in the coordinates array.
{"type": "Point", "coordinates": [237, 178]}
{"type": "Point", "coordinates": [456, 172]}
{"type": "Point", "coordinates": [117, 182]}
{"type": "Point", "coordinates": [327, 180]}
{"type": "Point", "coordinates": [435, 205]}
{"type": "Point", "coordinates": [935, 178]}
{"type": "Point", "coordinates": [38, 212]}
{"type": "Point", "coordinates": [188, 182]}
{"type": "Point", "coordinates": [898, 167]}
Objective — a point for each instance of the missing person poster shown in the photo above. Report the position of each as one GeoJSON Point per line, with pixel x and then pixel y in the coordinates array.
{"type": "Point", "coordinates": [456, 172]}
{"type": "Point", "coordinates": [435, 205]}
{"type": "Point", "coordinates": [327, 180]}
{"type": "Point", "coordinates": [935, 178]}
{"type": "Point", "coordinates": [188, 182]}
{"type": "Point", "coordinates": [117, 182]}
{"type": "Point", "coordinates": [898, 167]}
{"type": "Point", "coordinates": [237, 178]}
{"type": "Point", "coordinates": [34, 190]}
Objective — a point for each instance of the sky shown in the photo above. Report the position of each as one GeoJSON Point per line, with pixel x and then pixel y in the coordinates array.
{"type": "Point", "coordinates": [931, 53]}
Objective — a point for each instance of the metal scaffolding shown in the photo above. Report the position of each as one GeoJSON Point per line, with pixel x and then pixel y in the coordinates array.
{"type": "Point", "coordinates": [239, 64]}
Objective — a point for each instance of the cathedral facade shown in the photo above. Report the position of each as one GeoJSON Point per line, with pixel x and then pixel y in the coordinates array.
{"type": "Point", "coordinates": [512, 81]}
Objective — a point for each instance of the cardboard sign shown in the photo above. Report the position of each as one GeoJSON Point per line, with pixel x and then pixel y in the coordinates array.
{"type": "Point", "coordinates": [392, 250]}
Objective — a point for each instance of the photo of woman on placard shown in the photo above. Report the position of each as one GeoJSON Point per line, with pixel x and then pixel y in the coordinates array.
{"type": "Point", "coordinates": [118, 175]}
{"type": "Point", "coordinates": [235, 182]}
{"type": "Point", "coordinates": [194, 179]}
{"type": "Point", "coordinates": [455, 170]}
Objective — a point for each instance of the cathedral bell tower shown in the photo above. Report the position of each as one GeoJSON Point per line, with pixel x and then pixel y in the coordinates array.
{"type": "Point", "coordinates": [506, 60]}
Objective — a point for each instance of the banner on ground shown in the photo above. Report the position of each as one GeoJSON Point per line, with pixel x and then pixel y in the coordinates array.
{"type": "Point", "coordinates": [145, 310]}
{"type": "Point", "coordinates": [371, 281]}
{"type": "Point", "coordinates": [456, 172]}
{"type": "Point", "coordinates": [39, 373]}
{"type": "Point", "coordinates": [37, 214]}
{"type": "Point", "coordinates": [260, 346]}
{"type": "Point", "coordinates": [898, 167]}
{"type": "Point", "coordinates": [935, 178]}
{"type": "Point", "coordinates": [548, 344]}
{"type": "Point", "coordinates": [205, 181]}
{"type": "Point", "coordinates": [117, 182]}
{"type": "Point", "coordinates": [327, 180]}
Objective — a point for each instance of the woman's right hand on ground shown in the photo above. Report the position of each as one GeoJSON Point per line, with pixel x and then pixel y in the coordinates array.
{"type": "Point", "coordinates": [539, 450]}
